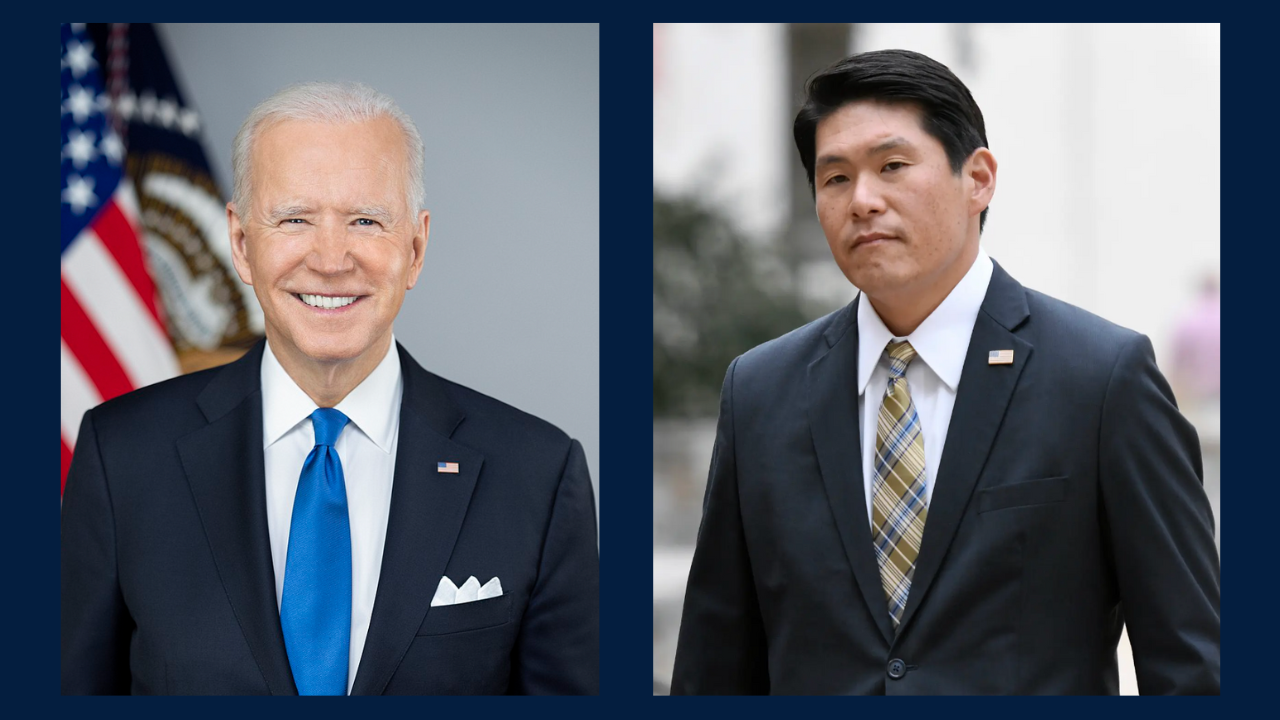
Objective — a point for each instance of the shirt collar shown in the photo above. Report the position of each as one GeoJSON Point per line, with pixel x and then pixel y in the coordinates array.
{"type": "Point", "coordinates": [372, 406]}
{"type": "Point", "coordinates": [942, 340]}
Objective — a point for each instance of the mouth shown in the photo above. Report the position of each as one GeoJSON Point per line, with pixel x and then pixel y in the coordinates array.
{"type": "Point", "coordinates": [329, 304]}
{"type": "Point", "coordinates": [872, 239]}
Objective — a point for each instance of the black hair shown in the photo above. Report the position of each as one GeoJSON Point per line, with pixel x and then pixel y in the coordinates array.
{"type": "Point", "coordinates": [947, 109]}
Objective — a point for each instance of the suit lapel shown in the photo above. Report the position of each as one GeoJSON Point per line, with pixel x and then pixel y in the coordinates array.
{"type": "Point", "coordinates": [427, 510]}
{"type": "Point", "coordinates": [981, 401]}
{"type": "Point", "coordinates": [836, 428]}
{"type": "Point", "coordinates": [224, 466]}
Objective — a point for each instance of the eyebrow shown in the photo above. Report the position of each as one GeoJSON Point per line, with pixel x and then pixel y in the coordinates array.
{"type": "Point", "coordinates": [890, 144]}
{"type": "Point", "coordinates": [281, 212]}
{"type": "Point", "coordinates": [376, 212]}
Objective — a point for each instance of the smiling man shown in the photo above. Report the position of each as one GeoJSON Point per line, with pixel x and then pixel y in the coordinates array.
{"type": "Point", "coordinates": [324, 516]}
{"type": "Point", "coordinates": [954, 484]}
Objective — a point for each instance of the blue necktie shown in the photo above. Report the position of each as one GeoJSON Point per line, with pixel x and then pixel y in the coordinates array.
{"type": "Point", "coordinates": [315, 607]}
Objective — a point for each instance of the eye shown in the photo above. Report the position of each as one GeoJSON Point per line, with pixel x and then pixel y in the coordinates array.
{"type": "Point", "coordinates": [894, 165]}
{"type": "Point", "coordinates": [366, 222]}
{"type": "Point", "coordinates": [292, 221]}
{"type": "Point", "coordinates": [836, 179]}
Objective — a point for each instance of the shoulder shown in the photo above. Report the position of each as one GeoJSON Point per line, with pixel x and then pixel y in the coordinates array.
{"type": "Point", "coordinates": [1079, 349]}
{"type": "Point", "coordinates": [797, 349]}
{"type": "Point", "coordinates": [1066, 316]}
{"type": "Point", "coordinates": [169, 405]}
{"type": "Point", "coordinates": [526, 460]}
{"type": "Point", "coordinates": [1072, 331]}
{"type": "Point", "coordinates": [502, 432]}
{"type": "Point", "coordinates": [492, 416]}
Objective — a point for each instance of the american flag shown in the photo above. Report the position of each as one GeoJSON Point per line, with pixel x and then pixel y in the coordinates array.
{"type": "Point", "coordinates": [113, 335]}
{"type": "Point", "coordinates": [445, 467]}
{"type": "Point", "coordinates": [1000, 357]}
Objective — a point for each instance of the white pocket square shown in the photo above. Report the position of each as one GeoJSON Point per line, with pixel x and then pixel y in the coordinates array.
{"type": "Point", "coordinates": [449, 594]}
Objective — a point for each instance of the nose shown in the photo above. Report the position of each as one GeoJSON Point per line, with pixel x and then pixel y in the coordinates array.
{"type": "Point", "coordinates": [331, 250]}
{"type": "Point", "coordinates": [866, 199]}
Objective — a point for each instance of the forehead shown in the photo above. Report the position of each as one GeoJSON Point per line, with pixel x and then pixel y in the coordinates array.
{"type": "Point", "coordinates": [866, 124]}
{"type": "Point", "coordinates": [293, 156]}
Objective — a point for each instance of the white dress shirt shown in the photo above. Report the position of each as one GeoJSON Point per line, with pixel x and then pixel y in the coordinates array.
{"type": "Point", "coordinates": [367, 449]}
{"type": "Point", "coordinates": [940, 342]}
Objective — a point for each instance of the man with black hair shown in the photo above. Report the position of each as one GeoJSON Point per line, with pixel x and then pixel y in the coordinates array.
{"type": "Point", "coordinates": [954, 484]}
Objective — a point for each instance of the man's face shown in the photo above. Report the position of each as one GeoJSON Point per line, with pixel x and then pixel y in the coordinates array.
{"type": "Point", "coordinates": [329, 223]}
{"type": "Point", "coordinates": [877, 172]}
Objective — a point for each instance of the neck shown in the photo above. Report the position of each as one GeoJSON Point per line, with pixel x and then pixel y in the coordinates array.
{"type": "Point", "coordinates": [328, 383]}
{"type": "Point", "coordinates": [903, 309]}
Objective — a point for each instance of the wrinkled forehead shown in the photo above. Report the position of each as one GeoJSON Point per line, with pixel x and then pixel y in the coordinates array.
{"type": "Point", "coordinates": [379, 137]}
{"type": "Point", "coordinates": [360, 160]}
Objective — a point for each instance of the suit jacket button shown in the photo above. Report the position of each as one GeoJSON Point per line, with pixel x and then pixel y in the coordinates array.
{"type": "Point", "coordinates": [897, 668]}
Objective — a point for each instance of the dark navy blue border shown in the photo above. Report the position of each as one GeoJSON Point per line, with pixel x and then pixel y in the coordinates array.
{"type": "Point", "coordinates": [626, 366]}
{"type": "Point", "coordinates": [1250, 250]}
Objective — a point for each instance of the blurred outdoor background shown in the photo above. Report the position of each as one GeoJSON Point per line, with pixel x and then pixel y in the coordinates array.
{"type": "Point", "coordinates": [1107, 138]}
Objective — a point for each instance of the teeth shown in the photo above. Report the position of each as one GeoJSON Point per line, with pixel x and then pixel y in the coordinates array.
{"type": "Point", "coordinates": [329, 303]}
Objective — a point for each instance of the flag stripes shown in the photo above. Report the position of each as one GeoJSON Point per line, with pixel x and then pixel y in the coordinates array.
{"type": "Point", "coordinates": [78, 394]}
{"type": "Point", "coordinates": [90, 353]}
{"type": "Point", "coordinates": [113, 331]}
{"type": "Point", "coordinates": [121, 241]}
{"type": "Point", "coordinates": [120, 315]}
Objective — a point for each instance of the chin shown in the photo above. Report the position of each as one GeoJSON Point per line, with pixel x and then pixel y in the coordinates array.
{"type": "Point", "coordinates": [870, 282]}
{"type": "Point", "coordinates": [333, 350]}
{"type": "Point", "coordinates": [880, 279]}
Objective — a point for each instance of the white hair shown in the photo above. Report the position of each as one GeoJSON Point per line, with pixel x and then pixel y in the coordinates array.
{"type": "Point", "coordinates": [330, 102]}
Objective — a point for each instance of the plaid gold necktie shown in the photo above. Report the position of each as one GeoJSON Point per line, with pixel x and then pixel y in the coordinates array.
{"type": "Point", "coordinates": [898, 507]}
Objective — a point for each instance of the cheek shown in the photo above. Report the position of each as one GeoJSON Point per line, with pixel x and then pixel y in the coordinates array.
{"type": "Point", "coordinates": [828, 216]}
{"type": "Point", "coordinates": [270, 269]}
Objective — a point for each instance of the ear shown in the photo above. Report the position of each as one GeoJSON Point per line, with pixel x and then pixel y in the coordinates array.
{"type": "Point", "coordinates": [980, 170]}
{"type": "Point", "coordinates": [239, 253]}
{"type": "Point", "coordinates": [420, 232]}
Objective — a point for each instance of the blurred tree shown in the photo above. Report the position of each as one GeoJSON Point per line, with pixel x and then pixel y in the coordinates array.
{"type": "Point", "coordinates": [716, 294]}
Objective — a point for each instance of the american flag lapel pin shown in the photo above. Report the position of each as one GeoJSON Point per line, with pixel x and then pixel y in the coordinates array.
{"type": "Point", "coordinates": [444, 467]}
{"type": "Point", "coordinates": [1000, 357]}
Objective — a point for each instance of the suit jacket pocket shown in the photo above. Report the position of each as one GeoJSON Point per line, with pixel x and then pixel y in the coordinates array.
{"type": "Point", "coordinates": [1022, 494]}
{"type": "Point", "coordinates": [475, 615]}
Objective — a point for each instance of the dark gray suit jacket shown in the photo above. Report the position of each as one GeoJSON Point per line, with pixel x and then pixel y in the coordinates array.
{"type": "Point", "coordinates": [1069, 502]}
{"type": "Point", "coordinates": [167, 580]}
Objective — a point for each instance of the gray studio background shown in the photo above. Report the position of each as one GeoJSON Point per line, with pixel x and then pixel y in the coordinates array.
{"type": "Point", "coordinates": [508, 300]}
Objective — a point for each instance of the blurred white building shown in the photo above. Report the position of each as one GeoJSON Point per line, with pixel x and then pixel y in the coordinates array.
{"type": "Point", "coordinates": [1107, 138]}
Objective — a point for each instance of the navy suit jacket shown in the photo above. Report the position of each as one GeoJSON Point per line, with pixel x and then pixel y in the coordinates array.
{"type": "Point", "coordinates": [167, 579]}
{"type": "Point", "coordinates": [1068, 503]}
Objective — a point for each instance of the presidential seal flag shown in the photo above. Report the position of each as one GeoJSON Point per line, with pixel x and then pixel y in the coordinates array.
{"type": "Point", "coordinates": [183, 214]}
{"type": "Point", "coordinates": [114, 337]}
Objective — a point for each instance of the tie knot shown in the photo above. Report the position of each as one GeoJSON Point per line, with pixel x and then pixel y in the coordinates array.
{"type": "Point", "coordinates": [900, 356]}
{"type": "Point", "coordinates": [328, 424]}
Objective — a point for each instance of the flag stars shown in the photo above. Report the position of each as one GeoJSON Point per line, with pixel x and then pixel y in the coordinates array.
{"type": "Point", "coordinates": [80, 103]}
{"type": "Point", "coordinates": [147, 107]}
{"type": "Point", "coordinates": [126, 105]}
{"type": "Point", "coordinates": [189, 122]}
{"type": "Point", "coordinates": [167, 113]}
{"type": "Point", "coordinates": [79, 193]}
{"type": "Point", "coordinates": [80, 148]}
{"type": "Point", "coordinates": [79, 58]}
{"type": "Point", "coordinates": [112, 148]}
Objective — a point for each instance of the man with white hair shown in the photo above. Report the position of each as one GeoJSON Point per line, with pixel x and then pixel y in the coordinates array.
{"type": "Point", "coordinates": [323, 516]}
